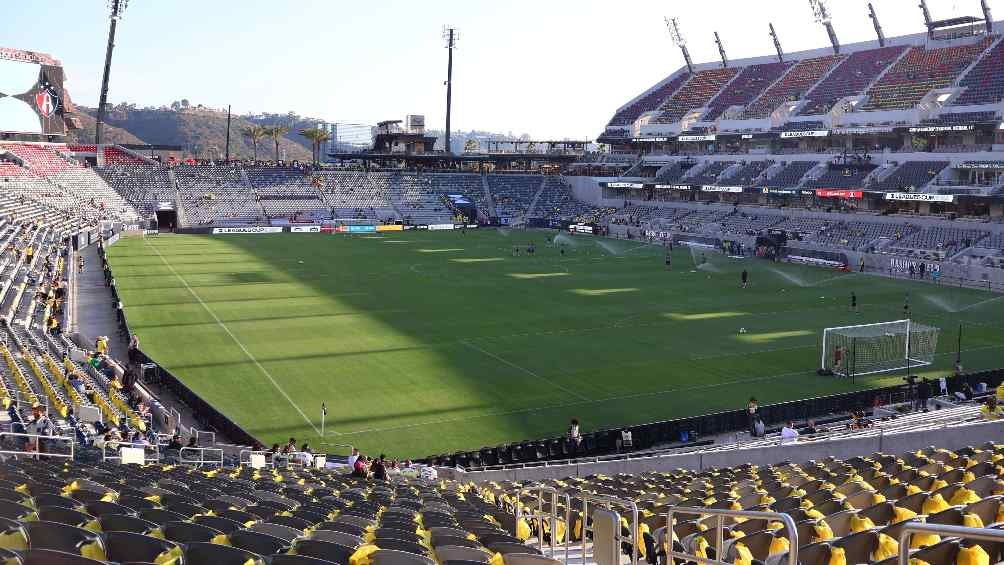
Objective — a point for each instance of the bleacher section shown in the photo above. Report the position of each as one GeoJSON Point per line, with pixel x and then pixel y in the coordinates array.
{"type": "Point", "coordinates": [792, 87]}
{"type": "Point", "coordinates": [711, 173]}
{"type": "Point", "coordinates": [695, 93]}
{"type": "Point", "coordinates": [513, 193]}
{"type": "Point", "coordinates": [984, 83]}
{"type": "Point", "coordinates": [215, 194]}
{"type": "Point", "coordinates": [749, 84]}
{"type": "Point", "coordinates": [910, 176]}
{"type": "Point", "coordinates": [649, 102]}
{"type": "Point", "coordinates": [842, 176]}
{"type": "Point", "coordinates": [287, 193]}
{"type": "Point", "coordinates": [791, 175]}
{"type": "Point", "coordinates": [850, 77]}
{"type": "Point", "coordinates": [750, 172]}
{"type": "Point", "coordinates": [937, 241]}
{"type": "Point", "coordinates": [143, 185]}
{"type": "Point", "coordinates": [919, 72]}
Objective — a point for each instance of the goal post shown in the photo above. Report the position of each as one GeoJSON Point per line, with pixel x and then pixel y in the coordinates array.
{"type": "Point", "coordinates": [867, 349]}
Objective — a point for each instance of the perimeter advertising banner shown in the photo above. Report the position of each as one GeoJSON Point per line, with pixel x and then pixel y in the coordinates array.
{"type": "Point", "coordinates": [356, 229]}
{"type": "Point", "coordinates": [305, 229]}
{"type": "Point", "coordinates": [248, 229]}
{"type": "Point", "coordinates": [828, 193]}
{"type": "Point", "coordinates": [391, 227]}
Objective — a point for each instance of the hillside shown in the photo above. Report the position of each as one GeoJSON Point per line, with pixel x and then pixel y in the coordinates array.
{"type": "Point", "coordinates": [112, 134]}
{"type": "Point", "coordinates": [200, 132]}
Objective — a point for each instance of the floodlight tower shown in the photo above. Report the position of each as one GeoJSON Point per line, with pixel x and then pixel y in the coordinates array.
{"type": "Point", "coordinates": [721, 51]}
{"type": "Point", "coordinates": [116, 8]}
{"type": "Point", "coordinates": [451, 35]}
{"type": "Point", "coordinates": [822, 16]}
{"type": "Point", "coordinates": [673, 25]}
{"type": "Point", "coordinates": [777, 43]}
{"type": "Point", "coordinates": [927, 18]}
{"type": "Point", "coordinates": [878, 26]}
{"type": "Point", "coordinates": [987, 17]}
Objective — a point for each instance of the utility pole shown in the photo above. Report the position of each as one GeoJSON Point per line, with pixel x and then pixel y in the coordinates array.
{"type": "Point", "coordinates": [721, 51]}
{"type": "Point", "coordinates": [116, 8]}
{"type": "Point", "coordinates": [878, 26]}
{"type": "Point", "coordinates": [822, 16]}
{"type": "Point", "coordinates": [228, 134]}
{"type": "Point", "coordinates": [777, 44]}
{"type": "Point", "coordinates": [673, 25]}
{"type": "Point", "coordinates": [451, 35]}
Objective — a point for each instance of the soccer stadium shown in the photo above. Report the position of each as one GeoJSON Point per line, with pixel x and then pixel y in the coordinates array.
{"type": "Point", "coordinates": [759, 319]}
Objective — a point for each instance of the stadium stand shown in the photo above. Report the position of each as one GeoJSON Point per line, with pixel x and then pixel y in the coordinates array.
{"type": "Point", "coordinates": [910, 176]}
{"type": "Point", "coordinates": [937, 240]}
{"type": "Point", "coordinates": [513, 194]}
{"type": "Point", "coordinates": [984, 83]}
{"type": "Point", "coordinates": [750, 83]}
{"type": "Point", "coordinates": [215, 194]}
{"type": "Point", "coordinates": [287, 193]}
{"type": "Point", "coordinates": [792, 86]}
{"type": "Point", "coordinates": [850, 77]}
{"type": "Point", "coordinates": [919, 72]}
{"type": "Point", "coordinates": [694, 94]}
{"type": "Point", "coordinates": [859, 235]}
{"type": "Point", "coordinates": [711, 173]}
{"type": "Point", "coordinates": [141, 185]}
{"type": "Point", "coordinates": [647, 103]}
{"type": "Point", "coordinates": [750, 172]}
{"type": "Point", "coordinates": [791, 175]}
{"type": "Point", "coordinates": [842, 176]}
{"type": "Point", "coordinates": [674, 172]}
{"type": "Point", "coordinates": [950, 118]}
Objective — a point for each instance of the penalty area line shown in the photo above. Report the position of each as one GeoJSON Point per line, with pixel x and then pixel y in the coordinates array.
{"type": "Point", "coordinates": [523, 369]}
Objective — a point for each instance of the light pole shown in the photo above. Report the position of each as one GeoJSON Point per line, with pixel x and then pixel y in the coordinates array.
{"type": "Point", "coordinates": [451, 35]}
{"type": "Point", "coordinates": [116, 8]}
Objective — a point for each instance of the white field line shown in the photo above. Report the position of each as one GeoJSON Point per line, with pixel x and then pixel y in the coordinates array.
{"type": "Point", "coordinates": [247, 353]}
{"type": "Point", "coordinates": [523, 369]}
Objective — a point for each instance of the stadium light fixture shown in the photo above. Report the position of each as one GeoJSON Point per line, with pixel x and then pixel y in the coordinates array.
{"type": "Point", "coordinates": [820, 11]}
{"type": "Point", "coordinates": [673, 25]}
{"type": "Point", "coordinates": [115, 10]}
{"type": "Point", "coordinates": [451, 35]}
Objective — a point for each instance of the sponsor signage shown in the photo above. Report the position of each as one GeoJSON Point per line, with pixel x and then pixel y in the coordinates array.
{"type": "Point", "coordinates": [829, 193]}
{"type": "Point", "coordinates": [625, 185]}
{"type": "Point", "coordinates": [580, 228]}
{"type": "Point", "coordinates": [935, 129]}
{"type": "Point", "coordinates": [696, 138]}
{"type": "Point", "coordinates": [673, 186]}
{"type": "Point", "coordinates": [746, 136]}
{"type": "Point", "coordinates": [649, 139]}
{"type": "Point", "coordinates": [913, 197]}
{"type": "Point", "coordinates": [806, 192]}
{"type": "Point", "coordinates": [808, 133]}
{"type": "Point", "coordinates": [390, 227]}
{"type": "Point", "coordinates": [863, 129]}
{"type": "Point", "coordinates": [305, 229]}
{"type": "Point", "coordinates": [901, 265]}
{"type": "Point", "coordinates": [356, 229]}
{"type": "Point", "coordinates": [716, 188]}
{"type": "Point", "coordinates": [248, 229]}
{"type": "Point", "coordinates": [788, 191]}
{"type": "Point", "coordinates": [440, 227]}
{"type": "Point", "coordinates": [981, 165]}
{"type": "Point", "coordinates": [165, 206]}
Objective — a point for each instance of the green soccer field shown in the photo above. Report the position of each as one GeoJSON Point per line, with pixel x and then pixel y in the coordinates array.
{"type": "Point", "coordinates": [430, 342]}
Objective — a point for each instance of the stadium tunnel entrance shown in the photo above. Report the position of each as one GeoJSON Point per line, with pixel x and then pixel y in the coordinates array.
{"type": "Point", "coordinates": [167, 220]}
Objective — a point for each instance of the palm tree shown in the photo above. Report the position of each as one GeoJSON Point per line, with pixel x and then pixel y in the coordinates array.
{"type": "Point", "coordinates": [317, 137]}
{"type": "Point", "coordinates": [322, 138]}
{"type": "Point", "coordinates": [255, 134]}
{"type": "Point", "coordinates": [275, 133]}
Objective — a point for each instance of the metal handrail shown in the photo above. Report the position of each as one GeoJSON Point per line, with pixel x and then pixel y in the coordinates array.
{"type": "Point", "coordinates": [609, 501]}
{"type": "Point", "coordinates": [242, 460]}
{"type": "Point", "coordinates": [202, 456]}
{"type": "Point", "coordinates": [789, 525]}
{"type": "Point", "coordinates": [117, 445]}
{"type": "Point", "coordinates": [910, 528]}
{"type": "Point", "coordinates": [540, 490]}
{"type": "Point", "coordinates": [199, 433]}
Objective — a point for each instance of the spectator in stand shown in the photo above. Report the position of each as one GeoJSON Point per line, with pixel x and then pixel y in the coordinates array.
{"type": "Point", "coordinates": [810, 428]}
{"type": "Point", "coordinates": [290, 446]}
{"type": "Point", "coordinates": [573, 433]}
{"type": "Point", "coordinates": [751, 414]}
{"type": "Point", "coordinates": [360, 468]}
{"type": "Point", "coordinates": [133, 346]}
{"type": "Point", "coordinates": [379, 468]}
{"type": "Point", "coordinates": [789, 434]}
{"type": "Point", "coordinates": [991, 410]}
{"type": "Point", "coordinates": [174, 444]}
{"type": "Point", "coordinates": [353, 457]}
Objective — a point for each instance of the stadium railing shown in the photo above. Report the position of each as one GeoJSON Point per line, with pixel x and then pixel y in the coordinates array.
{"type": "Point", "coordinates": [201, 456]}
{"type": "Point", "coordinates": [720, 515]}
{"type": "Point", "coordinates": [55, 447]}
{"type": "Point", "coordinates": [550, 515]}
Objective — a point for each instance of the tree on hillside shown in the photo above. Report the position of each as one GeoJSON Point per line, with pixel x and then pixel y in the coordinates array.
{"type": "Point", "coordinates": [255, 134]}
{"type": "Point", "coordinates": [322, 138]}
{"type": "Point", "coordinates": [275, 133]}
{"type": "Point", "coordinates": [471, 145]}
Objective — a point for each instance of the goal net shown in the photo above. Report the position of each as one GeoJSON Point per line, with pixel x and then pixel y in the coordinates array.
{"type": "Point", "coordinates": [877, 348]}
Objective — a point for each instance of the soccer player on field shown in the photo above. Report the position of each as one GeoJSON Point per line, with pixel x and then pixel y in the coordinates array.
{"type": "Point", "coordinates": [669, 262]}
{"type": "Point", "coordinates": [854, 301]}
{"type": "Point", "coordinates": [745, 278]}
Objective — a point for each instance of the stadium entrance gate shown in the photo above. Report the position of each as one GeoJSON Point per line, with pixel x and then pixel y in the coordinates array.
{"type": "Point", "coordinates": [167, 217]}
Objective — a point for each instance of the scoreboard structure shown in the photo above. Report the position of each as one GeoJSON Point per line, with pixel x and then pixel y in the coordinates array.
{"type": "Point", "coordinates": [32, 98]}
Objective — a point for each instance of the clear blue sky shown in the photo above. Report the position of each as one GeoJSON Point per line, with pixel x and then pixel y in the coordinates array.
{"type": "Point", "coordinates": [550, 68]}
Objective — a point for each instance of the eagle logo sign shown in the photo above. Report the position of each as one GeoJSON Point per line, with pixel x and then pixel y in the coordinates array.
{"type": "Point", "coordinates": [47, 100]}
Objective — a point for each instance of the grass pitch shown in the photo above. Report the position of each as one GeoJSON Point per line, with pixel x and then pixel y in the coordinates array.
{"type": "Point", "coordinates": [430, 342]}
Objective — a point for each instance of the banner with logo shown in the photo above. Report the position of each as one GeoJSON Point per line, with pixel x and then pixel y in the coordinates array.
{"type": "Point", "coordinates": [390, 227]}
{"type": "Point", "coordinates": [696, 138]}
{"type": "Point", "coordinates": [716, 188]}
{"type": "Point", "coordinates": [810, 133]}
{"type": "Point", "coordinates": [625, 185]}
{"type": "Point", "coordinates": [248, 229]}
{"type": "Point", "coordinates": [914, 197]}
{"type": "Point", "coordinates": [830, 193]}
{"type": "Point", "coordinates": [440, 227]}
{"type": "Point", "coordinates": [305, 229]}
{"type": "Point", "coordinates": [784, 191]}
{"type": "Point", "coordinates": [673, 186]}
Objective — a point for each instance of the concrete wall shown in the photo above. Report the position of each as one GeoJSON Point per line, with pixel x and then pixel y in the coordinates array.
{"type": "Point", "coordinates": [894, 443]}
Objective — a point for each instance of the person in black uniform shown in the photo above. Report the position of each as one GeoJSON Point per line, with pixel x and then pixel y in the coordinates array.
{"type": "Point", "coordinates": [745, 277]}
{"type": "Point", "coordinates": [854, 301]}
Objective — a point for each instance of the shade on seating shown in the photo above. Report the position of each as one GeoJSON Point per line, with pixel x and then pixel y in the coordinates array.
{"type": "Point", "coordinates": [128, 547]}
{"type": "Point", "coordinates": [212, 554]}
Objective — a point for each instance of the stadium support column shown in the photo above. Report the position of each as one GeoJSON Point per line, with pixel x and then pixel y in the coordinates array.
{"type": "Point", "coordinates": [721, 51]}
{"type": "Point", "coordinates": [777, 44]}
{"type": "Point", "coordinates": [116, 7]}
{"type": "Point", "coordinates": [451, 35]}
{"type": "Point", "coordinates": [878, 26]}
